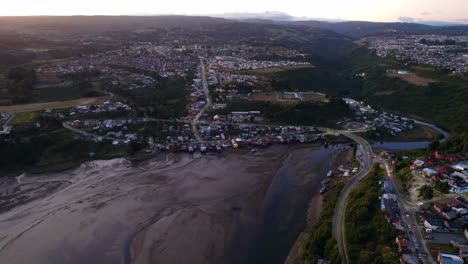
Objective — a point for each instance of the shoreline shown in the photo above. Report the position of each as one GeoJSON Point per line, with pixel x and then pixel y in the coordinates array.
{"type": "Point", "coordinates": [315, 207]}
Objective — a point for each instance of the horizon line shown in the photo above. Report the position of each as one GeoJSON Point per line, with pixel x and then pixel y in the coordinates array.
{"type": "Point", "coordinates": [231, 16]}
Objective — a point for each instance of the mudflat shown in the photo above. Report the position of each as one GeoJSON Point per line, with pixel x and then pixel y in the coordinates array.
{"type": "Point", "coordinates": [173, 210]}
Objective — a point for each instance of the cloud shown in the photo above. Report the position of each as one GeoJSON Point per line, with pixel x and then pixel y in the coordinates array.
{"type": "Point", "coordinates": [425, 14]}
{"type": "Point", "coordinates": [406, 19]}
{"type": "Point", "coordinates": [270, 15]}
{"type": "Point", "coordinates": [465, 20]}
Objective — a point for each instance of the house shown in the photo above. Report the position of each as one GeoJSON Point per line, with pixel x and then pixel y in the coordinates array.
{"type": "Point", "coordinates": [458, 186]}
{"type": "Point", "coordinates": [447, 258]}
{"type": "Point", "coordinates": [449, 215]}
{"type": "Point", "coordinates": [455, 226]}
{"type": "Point", "coordinates": [445, 211]}
{"type": "Point", "coordinates": [390, 208]}
{"type": "Point", "coordinates": [408, 259]}
{"type": "Point", "coordinates": [460, 166]}
{"type": "Point", "coordinates": [463, 252]}
{"type": "Point", "coordinates": [458, 207]}
{"type": "Point", "coordinates": [429, 172]}
{"type": "Point", "coordinates": [460, 175]}
{"type": "Point", "coordinates": [433, 224]}
{"type": "Point", "coordinates": [388, 187]}
{"type": "Point", "coordinates": [402, 244]}
{"type": "Point", "coordinates": [417, 164]}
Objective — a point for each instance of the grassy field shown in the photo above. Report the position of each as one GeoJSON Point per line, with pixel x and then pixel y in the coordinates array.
{"type": "Point", "coordinates": [274, 97]}
{"type": "Point", "coordinates": [277, 97]}
{"type": "Point", "coordinates": [315, 97]}
{"type": "Point", "coordinates": [413, 79]}
{"type": "Point", "coordinates": [52, 105]}
{"type": "Point", "coordinates": [419, 133]}
{"type": "Point", "coordinates": [281, 69]}
{"type": "Point", "coordinates": [25, 118]}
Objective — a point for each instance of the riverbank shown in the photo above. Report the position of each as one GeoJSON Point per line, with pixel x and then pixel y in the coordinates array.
{"type": "Point", "coordinates": [287, 200]}
{"type": "Point", "coordinates": [418, 133]}
{"type": "Point", "coordinates": [315, 216]}
{"type": "Point", "coordinates": [115, 212]}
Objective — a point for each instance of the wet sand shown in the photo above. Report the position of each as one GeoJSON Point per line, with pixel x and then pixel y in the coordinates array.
{"type": "Point", "coordinates": [176, 210]}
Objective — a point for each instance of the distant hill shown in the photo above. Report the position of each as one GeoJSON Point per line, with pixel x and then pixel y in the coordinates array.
{"type": "Point", "coordinates": [96, 24]}
{"type": "Point", "coordinates": [358, 29]}
{"type": "Point", "coordinates": [50, 25]}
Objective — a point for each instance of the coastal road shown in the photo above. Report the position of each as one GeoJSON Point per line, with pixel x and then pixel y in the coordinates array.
{"type": "Point", "coordinates": [366, 161]}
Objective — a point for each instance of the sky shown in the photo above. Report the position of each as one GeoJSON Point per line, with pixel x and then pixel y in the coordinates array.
{"type": "Point", "coordinates": [368, 10]}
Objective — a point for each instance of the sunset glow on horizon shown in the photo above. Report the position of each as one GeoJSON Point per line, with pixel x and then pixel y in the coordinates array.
{"type": "Point", "coordinates": [369, 10]}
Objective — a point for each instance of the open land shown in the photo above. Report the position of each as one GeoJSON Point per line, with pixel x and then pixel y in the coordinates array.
{"type": "Point", "coordinates": [413, 79]}
{"type": "Point", "coordinates": [52, 105]}
{"type": "Point", "coordinates": [282, 69]}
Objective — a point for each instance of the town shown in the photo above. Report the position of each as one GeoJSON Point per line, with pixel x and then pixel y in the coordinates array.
{"type": "Point", "coordinates": [447, 52]}
{"type": "Point", "coordinates": [299, 141]}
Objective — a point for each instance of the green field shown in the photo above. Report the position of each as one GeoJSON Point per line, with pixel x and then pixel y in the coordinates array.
{"type": "Point", "coordinates": [51, 105]}
{"type": "Point", "coordinates": [25, 118]}
{"type": "Point", "coordinates": [281, 69]}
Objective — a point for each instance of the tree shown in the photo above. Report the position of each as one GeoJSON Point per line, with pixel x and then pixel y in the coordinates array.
{"type": "Point", "coordinates": [434, 145]}
{"type": "Point", "coordinates": [21, 81]}
{"type": "Point", "coordinates": [426, 192]}
{"type": "Point", "coordinates": [442, 187]}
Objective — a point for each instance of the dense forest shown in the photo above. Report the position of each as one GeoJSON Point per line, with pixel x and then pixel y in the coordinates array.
{"type": "Point", "coordinates": [369, 237]}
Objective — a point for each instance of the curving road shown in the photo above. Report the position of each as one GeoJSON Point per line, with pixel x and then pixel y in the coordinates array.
{"type": "Point", "coordinates": [366, 161]}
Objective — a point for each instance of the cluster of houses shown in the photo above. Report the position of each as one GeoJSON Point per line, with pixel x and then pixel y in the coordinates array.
{"type": "Point", "coordinates": [245, 116]}
{"type": "Point", "coordinates": [198, 96]}
{"type": "Point", "coordinates": [389, 205]}
{"type": "Point", "coordinates": [412, 48]}
{"type": "Point", "coordinates": [373, 119]}
{"type": "Point", "coordinates": [240, 63]}
{"type": "Point", "coordinates": [449, 168]}
{"type": "Point", "coordinates": [107, 106]}
{"type": "Point", "coordinates": [111, 65]}
{"type": "Point", "coordinates": [219, 137]}
{"type": "Point", "coordinates": [227, 82]}
{"type": "Point", "coordinates": [449, 217]}
{"type": "Point", "coordinates": [244, 135]}
{"type": "Point", "coordinates": [4, 119]}
{"type": "Point", "coordinates": [118, 77]}
{"type": "Point", "coordinates": [393, 215]}
{"type": "Point", "coordinates": [255, 52]}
